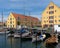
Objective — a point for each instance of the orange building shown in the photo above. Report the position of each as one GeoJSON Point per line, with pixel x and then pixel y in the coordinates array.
{"type": "Point", "coordinates": [17, 19]}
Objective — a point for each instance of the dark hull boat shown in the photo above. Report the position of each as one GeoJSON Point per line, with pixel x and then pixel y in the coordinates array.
{"type": "Point", "coordinates": [53, 45]}
{"type": "Point", "coordinates": [27, 38]}
{"type": "Point", "coordinates": [59, 37]}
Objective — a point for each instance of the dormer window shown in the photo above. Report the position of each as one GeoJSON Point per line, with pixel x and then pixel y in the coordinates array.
{"type": "Point", "coordinates": [18, 18]}
{"type": "Point", "coordinates": [51, 7]}
{"type": "Point", "coordinates": [10, 18]}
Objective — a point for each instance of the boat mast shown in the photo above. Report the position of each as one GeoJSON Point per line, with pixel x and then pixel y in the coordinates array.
{"type": "Point", "coordinates": [30, 19]}
{"type": "Point", "coordinates": [24, 13]}
{"type": "Point", "coordinates": [2, 19]}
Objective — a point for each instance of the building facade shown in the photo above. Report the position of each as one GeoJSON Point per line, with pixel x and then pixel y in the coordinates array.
{"type": "Point", "coordinates": [51, 15]}
{"type": "Point", "coordinates": [15, 20]}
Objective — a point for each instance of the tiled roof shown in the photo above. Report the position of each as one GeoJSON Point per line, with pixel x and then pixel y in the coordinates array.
{"type": "Point", "coordinates": [23, 16]}
{"type": "Point", "coordinates": [1, 23]}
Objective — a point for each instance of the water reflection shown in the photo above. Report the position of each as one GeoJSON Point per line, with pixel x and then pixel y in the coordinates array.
{"type": "Point", "coordinates": [11, 40]}
{"type": "Point", "coordinates": [13, 43]}
{"type": "Point", "coordinates": [16, 43]}
{"type": "Point", "coordinates": [50, 46]}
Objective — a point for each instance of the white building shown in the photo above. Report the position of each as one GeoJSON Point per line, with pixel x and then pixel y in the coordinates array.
{"type": "Point", "coordinates": [57, 28]}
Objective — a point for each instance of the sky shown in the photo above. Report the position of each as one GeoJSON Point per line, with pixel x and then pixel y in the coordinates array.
{"type": "Point", "coordinates": [27, 7]}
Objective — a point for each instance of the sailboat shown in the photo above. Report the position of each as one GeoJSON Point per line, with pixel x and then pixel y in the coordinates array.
{"type": "Point", "coordinates": [2, 28]}
{"type": "Point", "coordinates": [22, 33]}
{"type": "Point", "coordinates": [39, 38]}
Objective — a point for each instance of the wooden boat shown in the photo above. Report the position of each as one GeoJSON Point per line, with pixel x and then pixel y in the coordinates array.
{"type": "Point", "coordinates": [52, 40]}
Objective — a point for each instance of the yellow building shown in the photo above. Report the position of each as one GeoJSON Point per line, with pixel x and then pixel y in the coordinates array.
{"type": "Point", "coordinates": [17, 19]}
{"type": "Point", "coordinates": [51, 15]}
{"type": "Point", "coordinates": [11, 21]}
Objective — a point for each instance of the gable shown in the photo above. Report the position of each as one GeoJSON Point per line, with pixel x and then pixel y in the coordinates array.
{"type": "Point", "coordinates": [47, 9]}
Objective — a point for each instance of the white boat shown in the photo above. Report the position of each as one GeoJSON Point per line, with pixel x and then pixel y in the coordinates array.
{"type": "Point", "coordinates": [4, 32]}
{"type": "Point", "coordinates": [23, 35]}
{"type": "Point", "coordinates": [10, 35]}
{"type": "Point", "coordinates": [38, 38]}
{"type": "Point", "coordinates": [16, 35]}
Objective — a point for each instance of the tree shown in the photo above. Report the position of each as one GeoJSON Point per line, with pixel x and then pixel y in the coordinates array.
{"type": "Point", "coordinates": [4, 24]}
{"type": "Point", "coordinates": [49, 30]}
{"type": "Point", "coordinates": [18, 22]}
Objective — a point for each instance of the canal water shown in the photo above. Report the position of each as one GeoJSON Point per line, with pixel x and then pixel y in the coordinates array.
{"type": "Point", "coordinates": [8, 42]}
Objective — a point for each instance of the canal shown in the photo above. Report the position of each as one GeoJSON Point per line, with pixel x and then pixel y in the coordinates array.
{"type": "Point", "coordinates": [8, 42]}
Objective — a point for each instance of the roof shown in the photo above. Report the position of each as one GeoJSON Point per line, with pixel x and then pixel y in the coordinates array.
{"type": "Point", "coordinates": [1, 23]}
{"type": "Point", "coordinates": [24, 16]}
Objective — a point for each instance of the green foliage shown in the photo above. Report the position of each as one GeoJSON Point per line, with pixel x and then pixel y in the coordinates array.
{"type": "Point", "coordinates": [4, 24]}
{"type": "Point", "coordinates": [11, 32]}
{"type": "Point", "coordinates": [18, 22]}
{"type": "Point", "coordinates": [49, 30]}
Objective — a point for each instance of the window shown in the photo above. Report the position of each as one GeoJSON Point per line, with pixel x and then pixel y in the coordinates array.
{"type": "Point", "coordinates": [10, 18]}
{"type": "Point", "coordinates": [51, 7]}
{"type": "Point", "coordinates": [45, 21]}
{"type": "Point", "coordinates": [51, 17]}
{"type": "Point", "coordinates": [51, 21]}
{"type": "Point", "coordinates": [59, 16]}
{"type": "Point", "coordinates": [55, 20]}
{"type": "Point", "coordinates": [51, 12]}
{"type": "Point", "coordinates": [13, 25]}
{"type": "Point", "coordinates": [45, 25]}
{"type": "Point", "coordinates": [47, 11]}
{"type": "Point", "coordinates": [51, 25]}
{"type": "Point", "coordinates": [18, 18]}
{"type": "Point", "coordinates": [55, 10]}
{"type": "Point", "coordinates": [59, 20]}
{"type": "Point", "coordinates": [11, 22]}
{"type": "Point", "coordinates": [58, 25]}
